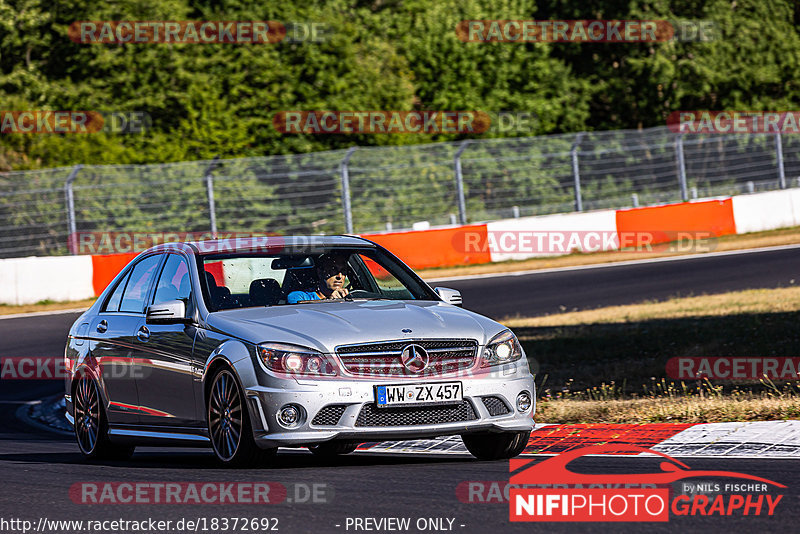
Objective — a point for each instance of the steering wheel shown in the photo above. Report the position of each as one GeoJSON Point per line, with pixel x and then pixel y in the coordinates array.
{"type": "Point", "coordinates": [360, 293]}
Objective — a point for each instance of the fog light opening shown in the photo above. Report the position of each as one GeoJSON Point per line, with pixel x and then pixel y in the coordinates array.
{"type": "Point", "coordinates": [290, 415]}
{"type": "Point", "coordinates": [524, 401]}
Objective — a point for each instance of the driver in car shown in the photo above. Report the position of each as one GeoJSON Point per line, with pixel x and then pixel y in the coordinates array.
{"type": "Point", "coordinates": [330, 271]}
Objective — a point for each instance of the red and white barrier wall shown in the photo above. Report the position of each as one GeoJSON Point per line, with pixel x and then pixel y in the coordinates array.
{"type": "Point", "coordinates": [508, 233]}
{"type": "Point", "coordinates": [66, 278]}
{"type": "Point", "coordinates": [766, 211]}
{"type": "Point", "coordinates": [56, 278]}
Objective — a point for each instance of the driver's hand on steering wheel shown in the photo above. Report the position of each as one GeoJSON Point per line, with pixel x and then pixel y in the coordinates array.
{"type": "Point", "coordinates": [340, 293]}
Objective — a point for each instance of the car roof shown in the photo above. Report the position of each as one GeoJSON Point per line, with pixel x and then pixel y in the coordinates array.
{"type": "Point", "coordinates": [296, 244]}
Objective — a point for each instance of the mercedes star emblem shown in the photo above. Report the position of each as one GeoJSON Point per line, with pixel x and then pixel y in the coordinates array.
{"type": "Point", "coordinates": [414, 358]}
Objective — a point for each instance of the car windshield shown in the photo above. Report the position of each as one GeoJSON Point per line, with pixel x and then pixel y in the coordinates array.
{"type": "Point", "coordinates": [245, 280]}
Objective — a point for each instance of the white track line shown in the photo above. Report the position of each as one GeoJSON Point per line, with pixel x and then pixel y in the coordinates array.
{"type": "Point", "coordinates": [37, 314]}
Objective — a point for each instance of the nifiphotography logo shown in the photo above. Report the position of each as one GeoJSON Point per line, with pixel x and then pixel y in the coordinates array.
{"type": "Point", "coordinates": [611, 498]}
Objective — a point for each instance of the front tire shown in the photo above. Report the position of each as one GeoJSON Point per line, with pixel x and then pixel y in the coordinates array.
{"type": "Point", "coordinates": [229, 424]}
{"type": "Point", "coordinates": [496, 446]}
{"type": "Point", "coordinates": [91, 424]}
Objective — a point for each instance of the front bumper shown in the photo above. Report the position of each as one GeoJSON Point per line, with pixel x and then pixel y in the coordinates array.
{"type": "Point", "coordinates": [264, 403]}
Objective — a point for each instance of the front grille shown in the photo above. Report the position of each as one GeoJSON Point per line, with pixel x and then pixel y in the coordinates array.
{"type": "Point", "coordinates": [371, 415]}
{"type": "Point", "coordinates": [329, 415]}
{"type": "Point", "coordinates": [495, 406]}
{"type": "Point", "coordinates": [383, 359]}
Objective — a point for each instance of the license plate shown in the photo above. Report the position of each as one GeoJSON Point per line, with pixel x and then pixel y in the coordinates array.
{"type": "Point", "coordinates": [418, 394]}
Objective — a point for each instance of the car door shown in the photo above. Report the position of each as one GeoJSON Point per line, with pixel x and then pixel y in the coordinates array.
{"type": "Point", "coordinates": [166, 384]}
{"type": "Point", "coordinates": [111, 336]}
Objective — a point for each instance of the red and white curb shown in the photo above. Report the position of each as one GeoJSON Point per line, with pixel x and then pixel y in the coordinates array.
{"type": "Point", "coordinates": [764, 439]}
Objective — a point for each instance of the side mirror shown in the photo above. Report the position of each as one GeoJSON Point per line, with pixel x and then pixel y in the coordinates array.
{"type": "Point", "coordinates": [451, 296]}
{"type": "Point", "coordinates": [169, 312]}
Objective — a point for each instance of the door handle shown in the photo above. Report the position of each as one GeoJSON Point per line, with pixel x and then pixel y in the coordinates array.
{"type": "Point", "coordinates": [143, 334]}
{"type": "Point", "coordinates": [102, 326]}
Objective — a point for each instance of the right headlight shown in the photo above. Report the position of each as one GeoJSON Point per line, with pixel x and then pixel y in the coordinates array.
{"type": "Point", "coordinates": [294, 360]}
{"type": "Point", "coordinates": [502, 348]}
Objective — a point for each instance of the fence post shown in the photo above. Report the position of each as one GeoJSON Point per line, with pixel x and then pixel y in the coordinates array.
{"type": "Point", "coordinates": [212, 207]}
{"type": "Point", "coordinates": [72, 236]}
{"type": "Point", "coordinates": [681, 167]}
{"type": "Point", "coordinates": [779, 152]}
{"type": "Point", "coordinates": [345, 173]}
{"type": "Point", "coordinates": [576, 175]}
{"type": "Point", "coordinates": [462, 204]}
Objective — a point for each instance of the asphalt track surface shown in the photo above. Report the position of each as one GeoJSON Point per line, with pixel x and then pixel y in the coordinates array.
{"type": "Point", "coordinates": [611, 285]}
{"type": "Point", "coordinates": [37, 468]}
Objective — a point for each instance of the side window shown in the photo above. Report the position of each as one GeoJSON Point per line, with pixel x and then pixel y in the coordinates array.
{"type": "Point", "coordinates": [113, 302]}
{"type": "Point", "coordinates": [141, 277]}
{"type": "Point", "coordinates": [174, 282]}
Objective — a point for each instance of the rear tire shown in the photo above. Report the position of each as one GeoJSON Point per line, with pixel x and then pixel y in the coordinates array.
{"type": "Point", "coordinates": [329, 449]}
{"type": "Point", "coordinates": [496, 446]}
{"type": "Point", "coordinates": [229, 424]}
{"type": "Point", "coordinates": [91, 424]}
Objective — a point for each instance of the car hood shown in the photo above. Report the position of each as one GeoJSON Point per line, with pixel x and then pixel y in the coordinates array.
{"type": "Point", "coordinates": [326, 325]}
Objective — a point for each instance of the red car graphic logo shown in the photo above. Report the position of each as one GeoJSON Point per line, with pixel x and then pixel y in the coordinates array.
{"type": "Point", "coordinates": [555, 471]}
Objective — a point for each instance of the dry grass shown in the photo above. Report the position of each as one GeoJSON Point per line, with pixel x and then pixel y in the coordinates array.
{"type": "Point", "coordinates": [785, 236]}
{"type": "Point", "coordinates": [743, 407]}
{"type": "Point", "coordinates": [609, 364]}
{"type": "Point", "coordinates": [738, 302]}
{"type": "Point", "coordinates": [45, 306]}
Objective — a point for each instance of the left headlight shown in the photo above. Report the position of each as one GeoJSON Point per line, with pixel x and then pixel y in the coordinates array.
{"type": "Point", "coordinates": [295, 360]}
{"type": "Point", "coordinates": [502, 348]}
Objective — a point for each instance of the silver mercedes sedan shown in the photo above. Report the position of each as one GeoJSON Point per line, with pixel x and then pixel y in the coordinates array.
{"type": "Point", "coordinates": [247, 345]}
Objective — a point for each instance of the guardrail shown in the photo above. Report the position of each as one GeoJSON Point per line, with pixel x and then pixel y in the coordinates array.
{"type": "Point", "coordinates": [29, 280]}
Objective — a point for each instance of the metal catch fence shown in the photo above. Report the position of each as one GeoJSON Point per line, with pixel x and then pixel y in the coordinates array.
{"type": "Point", "coordinates": [370, 189]}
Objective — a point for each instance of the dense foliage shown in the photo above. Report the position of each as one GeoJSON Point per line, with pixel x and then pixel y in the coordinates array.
{"type": "Point", "coordinates": [219, 99]}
